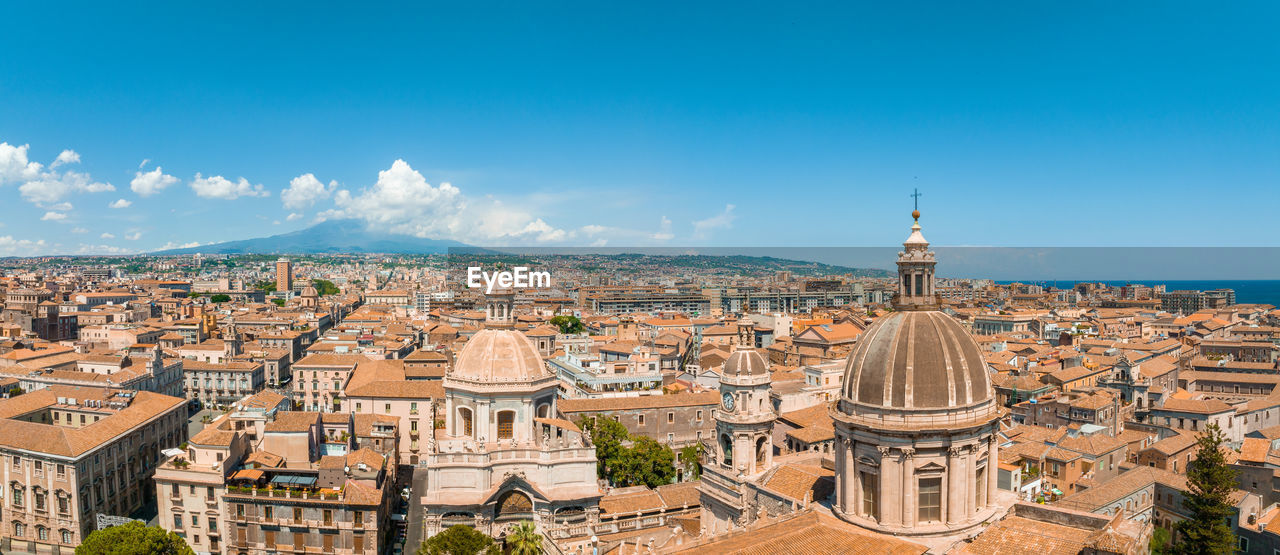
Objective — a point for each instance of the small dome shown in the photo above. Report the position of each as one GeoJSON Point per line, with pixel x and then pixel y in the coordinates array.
{"type": "Point", "coordinates": [499, 356]}
{"type": "Point", "coordinates": [917, 360]}
{"type": "Point", "coordinates": [310, 291]}
{"type": "Point", "coordinates": [745, 362]}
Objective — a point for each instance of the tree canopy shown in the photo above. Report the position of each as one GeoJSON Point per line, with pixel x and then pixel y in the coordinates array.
{"type": "Point", "coordinates": [325, 287]}
{"type": "Point", "coordinates": [1208, 503]}
{"type": "Point", "coordinates": [524, 539]}
{"type": "Point", "coordinates": [133, 538]}
{"type": "Point", "coordinates": [220, 298]}
{"type": "Point", "coordinates": [459, 540]}
{"type": "Point", "coordinates": [568, 324]}
{"type": "Point", "coordinates": [644, 462]}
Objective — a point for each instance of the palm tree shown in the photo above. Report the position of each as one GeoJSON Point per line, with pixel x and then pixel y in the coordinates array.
{"type": "Point", "coordinates": [524, 539]}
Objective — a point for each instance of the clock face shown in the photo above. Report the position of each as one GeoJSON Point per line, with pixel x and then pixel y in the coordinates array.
{"type": "Point", "coordinates": [727, 400]}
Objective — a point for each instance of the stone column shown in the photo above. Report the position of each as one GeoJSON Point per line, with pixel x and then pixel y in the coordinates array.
{"type": "Point", "coordinates": [853, 481]}
{"type": "Point", "coordinates": [955, 485]}
{"type": "Point", "coordinates": [890, 498]}
{"type": "Point", "coordinates": [908, 486]}
{"type": "Point", "coordinates": [970, 481]}
{"type": "Point", "coordinates": [993, 469]}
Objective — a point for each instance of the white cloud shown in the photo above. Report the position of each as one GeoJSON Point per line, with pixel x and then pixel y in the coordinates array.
{"type": "Point", "coordinates": [723, 220]}
{"type": "Point", "coordinates": [107, 236]}
{"type": "Point", "coordinates": [79, 230]}
{"type": "Point", "coordinates": [664, 230]}
{"type": "Point", "coordinates": [122, 203]}
{"type": "Point", "coordinates": [53, 217]}
{"type": "Point", "coordinates": [303, 192]}
{"type": "Point", "coordinates": [144, 163]}
{"type": "Point", "coordinates": [293, 216]}
{"type": "Point", "coordinates": [45, 186]}
{"type": "Point", "coordinates": [14, 165]}
{"type": "Point", "coordinates": [102, 249]}
{"type": "Point", "coordinates": [216, 186]}
{"type": "Point", "coordinates": [402, 201]}
{"type": "Point", "coordinates": [152, 182]}
{"type": "Point", "coordinates": [19, 247]}
{"type": "Point", "coordinates": [173, 245]}
{"type": "Point", "coordinates": [66, 157]}
{"type": "Point", "coordinates": [53, 186]}
{"type": "Point", "coordinates": [62, 206]}
{"type": "Point", "coordinates": [134, 236]}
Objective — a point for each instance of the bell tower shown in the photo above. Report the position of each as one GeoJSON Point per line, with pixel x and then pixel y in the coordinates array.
{"type": "Point", "coordinates": [915, 271]}
{"type": "Point", "coordinates": [742, 449]}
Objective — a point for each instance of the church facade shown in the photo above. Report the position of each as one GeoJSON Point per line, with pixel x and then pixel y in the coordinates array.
{"type": "Point", "coordinates": [504, 456]}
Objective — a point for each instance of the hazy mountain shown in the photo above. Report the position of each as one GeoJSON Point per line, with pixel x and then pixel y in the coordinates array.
{"type": "Point", "coordinates": [336, 236]}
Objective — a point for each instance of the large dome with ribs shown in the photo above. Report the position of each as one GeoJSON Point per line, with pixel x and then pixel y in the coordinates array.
{"type": "Point", "coordinates": [499, 356]}
{"type": "Point", "coordinates": [916, 360]}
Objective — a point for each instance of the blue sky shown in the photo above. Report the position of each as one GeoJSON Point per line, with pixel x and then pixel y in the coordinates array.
{"type": "Point", "coordinates": [741, 124]}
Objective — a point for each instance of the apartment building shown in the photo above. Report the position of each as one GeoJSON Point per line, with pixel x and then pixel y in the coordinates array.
{"type": "Point", "coordinates": [68, 454]}
{"type": "Point", "coordinates": [318, 379]}
{"type": "Point", "coordinates": [220, 384]}
{"type": "Point", "coordinates": [304, 485]}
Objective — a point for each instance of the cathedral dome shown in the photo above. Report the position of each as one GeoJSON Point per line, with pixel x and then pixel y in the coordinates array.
{"type": "Point", "coordinates": [745, 362]}
{"type": "Point", "coordinates": [916, 360]}
{"type": "Point", "coordinates": [499, 356]}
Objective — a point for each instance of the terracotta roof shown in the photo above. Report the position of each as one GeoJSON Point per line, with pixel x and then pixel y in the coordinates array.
{"type": "Point", "coordinates": [631, 500]}
{"type": "Point", "coordinates": [72, 442]}
{"type": "Point", "coordinates": [1014, 535]}
{"type": "Point", "coordinates": [809, 532]}
{"type": "Point", "coordinates": [797, 481]}
{"type": "Point", "coordinates": [289, 421]}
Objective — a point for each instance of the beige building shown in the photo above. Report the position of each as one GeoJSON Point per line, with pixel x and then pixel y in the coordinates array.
{"type": "Point", "coordinates": [916, 425]}
{"type": "Point", "coordinates": [68, 454]}
{"type": "Point", "coordinates": [318, 380]}
{"type": "Point", "coordinates": [380, 387]}
{"type": "Point", "coordinates": [263, 480]}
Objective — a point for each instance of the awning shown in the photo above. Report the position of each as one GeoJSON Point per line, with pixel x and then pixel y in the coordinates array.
{"type": "Point", "coordinates": [1056, 491]}
{"type": "Point", "coordinates": [285, 480]}
{"type": "Point", "coordinates": [247, 474]}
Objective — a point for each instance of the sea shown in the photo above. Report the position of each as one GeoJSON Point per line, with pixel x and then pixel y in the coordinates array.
{"type": "Point", "coordinates": [1259, 291]}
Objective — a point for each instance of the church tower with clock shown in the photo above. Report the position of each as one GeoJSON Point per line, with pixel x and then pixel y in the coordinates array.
{"type": "Point", "coordinates": [742, 449]}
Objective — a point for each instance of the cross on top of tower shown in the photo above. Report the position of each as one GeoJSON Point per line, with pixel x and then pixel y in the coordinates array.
{"type": "Point", "coordinates": [916, 197]}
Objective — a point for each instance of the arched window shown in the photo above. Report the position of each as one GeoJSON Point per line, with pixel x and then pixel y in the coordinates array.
{"type": "Point", "coordinates": [465, 422]}
{"type": "Point", "coordinates": [726, 450]}
{"type": "Point", "coordinates": [18, 531]}
{"type": "Point", "coordinates": [544, 410]}
{"type": "Point", "coordinates": [762, 448]}
{"type": "Point", "coordinates": [66, 535]}
{"type": "Point", "coordinates": [506, 424]}
{"type": "Point", "coordinates": [42, 533]}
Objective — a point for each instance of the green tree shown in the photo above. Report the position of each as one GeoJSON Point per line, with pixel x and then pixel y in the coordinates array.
{"type": "Point", "coordinates": [691, 456]}
{"type": "Point", "coordinates": [646, 462]}
{"type": "Point", "coordinates": [193, 295]}
{"type": "Point", "coordinates": [1160, 542]}
{"type": "Point", "coordinates": [568, 324]}
{"type": "Point", "coordinates": [266, 285]}
{"type": "Point", "coordinates": [459, 540]}
{"type": "Point", "coordinates": [524, 539]}
{"type": "Point", "coordinates": [608, 436]}
{"type": "Point", "coordinates": [133, 538]}
{"type": "Point", "coordinates": [277, 302]}
{"type": "Point", "coordinates": [325, 287]}
{"type": "Point", "coordinates": [220, 298]}
{"type": "Point", "coordinates": [1208, 503]}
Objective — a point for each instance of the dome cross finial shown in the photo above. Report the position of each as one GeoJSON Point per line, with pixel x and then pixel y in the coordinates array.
{"type": "Point", "coordinates": [916, 197]}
